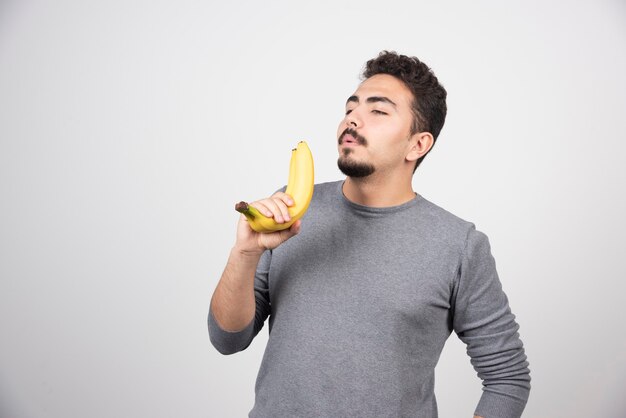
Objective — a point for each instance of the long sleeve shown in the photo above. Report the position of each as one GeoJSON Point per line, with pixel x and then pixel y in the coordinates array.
{"type": "Point", "coordinates": [484, 322]}
{"type": "Point", "coordinates": [227, 342]}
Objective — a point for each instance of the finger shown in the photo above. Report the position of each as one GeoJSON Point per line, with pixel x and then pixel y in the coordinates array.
{"type": "Point", "coordinates": [293, 230]}
{"type": "Point", "coordinates": [278, 209]}
{"type": "Point", "coordinates": [284, 209]}
{"type": "Point", "coordinates": [262, 207]}
{"type": "Point", "coordinates": [296, 227]}
{"type": "Point", "coordinates": [287, 199]}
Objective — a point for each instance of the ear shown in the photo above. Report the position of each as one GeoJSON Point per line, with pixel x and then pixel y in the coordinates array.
{"type": "Point", "coordinates": [419, 144]}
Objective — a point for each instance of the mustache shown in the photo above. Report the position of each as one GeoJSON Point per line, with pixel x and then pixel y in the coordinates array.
{"type": "Point", "coordinates": [349, 131]}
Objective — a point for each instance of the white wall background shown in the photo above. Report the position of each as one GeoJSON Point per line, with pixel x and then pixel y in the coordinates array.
{"type": "Point", "coordinates": [128, 129]}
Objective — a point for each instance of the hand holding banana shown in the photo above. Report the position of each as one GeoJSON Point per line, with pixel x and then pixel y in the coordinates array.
{"type": "Point", "coordinates": [299, 187]}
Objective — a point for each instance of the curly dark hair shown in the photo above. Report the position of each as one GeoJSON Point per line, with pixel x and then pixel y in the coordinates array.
{"type": "Point", "coordinates": [429, 96]}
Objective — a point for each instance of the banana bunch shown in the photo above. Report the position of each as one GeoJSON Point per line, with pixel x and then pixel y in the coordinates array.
{"type": "Point", "coordinates": [299, 187]}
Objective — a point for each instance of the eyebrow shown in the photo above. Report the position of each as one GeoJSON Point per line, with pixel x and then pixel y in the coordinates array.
{"type": "Point", "coordinates": [372, 99]}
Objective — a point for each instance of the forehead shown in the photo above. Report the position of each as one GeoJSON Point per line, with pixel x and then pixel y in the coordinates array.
{"type": "Point", "coordinates": [385, 85]}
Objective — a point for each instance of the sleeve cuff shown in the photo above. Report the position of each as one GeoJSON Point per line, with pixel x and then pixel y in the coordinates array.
{"type": "Point", "coordinates": [227, 342]}
{"type": "Point", "coordinates": [495, 405]}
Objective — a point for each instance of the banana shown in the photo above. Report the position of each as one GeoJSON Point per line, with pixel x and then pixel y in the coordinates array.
{"type": "Point", "coordinates": [299, 187]}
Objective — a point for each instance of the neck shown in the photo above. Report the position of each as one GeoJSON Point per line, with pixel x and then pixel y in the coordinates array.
{"type": "Point", "coordinates": [378, 192]}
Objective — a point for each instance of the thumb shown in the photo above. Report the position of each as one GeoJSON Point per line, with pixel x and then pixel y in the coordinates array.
{"type": "Point", "coordinates": [293, 229]}
{"type": "Point", "coordinates": [274, 239]}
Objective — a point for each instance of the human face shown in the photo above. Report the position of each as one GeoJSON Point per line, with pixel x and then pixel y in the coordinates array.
{"type": "Point", "coordinates": [374, 134]}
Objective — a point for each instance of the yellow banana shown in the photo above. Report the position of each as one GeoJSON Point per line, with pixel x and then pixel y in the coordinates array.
{"type": "Point", "coordinates": [299, 187]}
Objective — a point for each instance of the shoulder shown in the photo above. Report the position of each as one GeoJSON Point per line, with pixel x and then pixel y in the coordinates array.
{"type": "Point", "coordinates": [445, 226]}
{"type": "Point", "coordinates": [329, 187]}
{"type": "Point", "coordinates": [327, 191]}
{"type": "Point", "coordinates": [322, 190]}
{"type": "Point", "coordinates": [442, 218]}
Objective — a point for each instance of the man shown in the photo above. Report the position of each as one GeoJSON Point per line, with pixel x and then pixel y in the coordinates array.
{"type": "Point", "coordinates": [363, 292]}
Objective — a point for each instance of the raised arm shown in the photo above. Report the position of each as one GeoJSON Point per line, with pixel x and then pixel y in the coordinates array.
{"type": "Point", "coordinates": [234, 301]}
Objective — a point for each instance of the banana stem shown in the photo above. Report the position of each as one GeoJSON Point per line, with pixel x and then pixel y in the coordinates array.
{"type": "Point", "coordinates": [242, 207]}
{"type": "Point", "coordinates": [250, 211]}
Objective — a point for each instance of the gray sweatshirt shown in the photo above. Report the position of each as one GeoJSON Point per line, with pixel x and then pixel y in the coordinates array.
{"type": "Point", "coordinates": [360, 304]}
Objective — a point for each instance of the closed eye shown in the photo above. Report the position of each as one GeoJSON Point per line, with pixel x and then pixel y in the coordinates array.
{"type": "Point", "coordinates": [379, 112]}
{"type": "Point", "coordinates": [348, 111]}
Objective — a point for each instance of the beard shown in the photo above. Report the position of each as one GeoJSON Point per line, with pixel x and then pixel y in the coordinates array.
{"type": "Point", "coordinates": [352, 168]}
{"type": "Point", "coordinates": [348, 166]}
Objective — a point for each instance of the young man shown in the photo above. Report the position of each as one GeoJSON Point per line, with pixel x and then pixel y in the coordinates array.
{"type": "Point", "coordinates": [363, 292]}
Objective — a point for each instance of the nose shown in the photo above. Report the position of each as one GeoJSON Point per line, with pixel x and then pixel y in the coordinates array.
{"type": "Point", "coordinates": [353, 120]}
